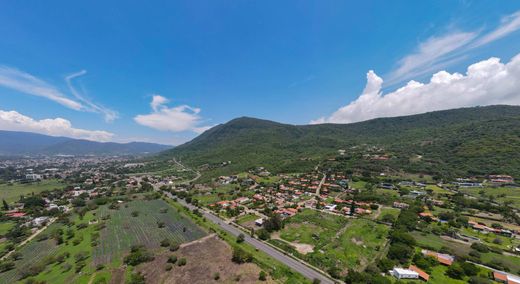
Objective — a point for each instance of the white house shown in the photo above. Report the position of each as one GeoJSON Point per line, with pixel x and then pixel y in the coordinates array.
{"type": "Point", "coordinates": [402, 273]}
{"type": "Point", "coordinates": [39, 221]}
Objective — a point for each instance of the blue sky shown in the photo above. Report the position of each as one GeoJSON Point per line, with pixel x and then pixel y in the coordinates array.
{"type": "Point", "coordinates": [91, 69]}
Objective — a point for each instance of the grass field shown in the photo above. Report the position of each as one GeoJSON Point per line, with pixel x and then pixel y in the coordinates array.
{"type": "Point", "coordinates": [12, 192]}
{"type": "Point", "coordinates": [500, 194]}
{"type": "Point", "coordinates": [123, 230]}
{"type": "Point", "coordinates": [337, 242]}
{"type": "Point", "coordinates": [247, 218]}
{"type": "Point", "coordinates": [388, 210]}
{"type": "Point", "coordinates": [5, 227]}
{"type": "Point", "coordinates": [459, 249]}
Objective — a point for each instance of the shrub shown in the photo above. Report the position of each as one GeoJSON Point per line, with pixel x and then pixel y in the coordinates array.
{"type": "Point", "coordinates": [165, 243]}
{"type": "Point", "coordinates": [181, 262]}
{"type": "Point", "coordinates": [174, 247]}
{"type": "Point", "coordinates": [172, 259]}
{"type": "Point", "coordinates": [262, 276]}
{"type": "Point", "coordinates": [480, 247]}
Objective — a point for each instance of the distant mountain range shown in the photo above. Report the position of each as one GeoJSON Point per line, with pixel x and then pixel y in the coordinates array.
{"type": "Point", "coordinates": [466, 141]}
{"type": "Point", "coordinates": [26, 143]}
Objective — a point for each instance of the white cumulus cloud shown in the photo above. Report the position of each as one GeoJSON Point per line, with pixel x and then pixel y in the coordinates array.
{"type": "Point", "coordinates": [487, 82]}
{"type": "Point", "coordinates": [174, 119]}
{"type": "Point", "coordinates": [440, 51]}
{"type": "Point", "coordinates": [15, 121]}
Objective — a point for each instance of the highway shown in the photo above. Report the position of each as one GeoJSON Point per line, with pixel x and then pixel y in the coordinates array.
{"type": "Point", "coordinates": [287, 260]}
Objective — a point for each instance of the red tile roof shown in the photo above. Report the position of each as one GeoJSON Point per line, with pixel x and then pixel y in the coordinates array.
{"type": "Point", "coordinates": [422, 274]}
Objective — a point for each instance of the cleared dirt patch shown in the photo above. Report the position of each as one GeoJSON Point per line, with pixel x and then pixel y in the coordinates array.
{"type": "Point", "coordinates": [303, 248]}
{"type": "Point", "coordinates": [204, 258]}
{"type": "Point", "coordinates": [118, 276]}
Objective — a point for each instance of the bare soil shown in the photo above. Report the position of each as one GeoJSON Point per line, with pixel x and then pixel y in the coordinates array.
{"type": "Point", "coordinates": [204, 259]}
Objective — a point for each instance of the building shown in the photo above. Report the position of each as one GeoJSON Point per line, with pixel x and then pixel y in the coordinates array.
{"type": "Point", "coordinates": [403, 273]}
{"type": "Point", "coordinates": [39, 221]}
{"type": "Point", "coordinates": [423, 275]}
{"type": "Point", "coordinates": [442, 258]}
{"type": "Point", "coordinates": [504, 277]}
{"type": "Point", "coordinates": [259, 222]}
{"type": "Point", "coordinates": [400, 205]}
{"type": "Point", "coordinates": [33, 177]}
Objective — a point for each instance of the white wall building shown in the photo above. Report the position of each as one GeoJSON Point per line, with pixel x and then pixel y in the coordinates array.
{"type": "Point", "coordinates": [402, 273]}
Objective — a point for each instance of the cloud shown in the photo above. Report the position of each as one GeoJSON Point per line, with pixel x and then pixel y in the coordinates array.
{"type": "Point", "coordinates": [173, 119]}
{"type": "Point", "coordinates": [26, 83]}
{"type": "Point", "coordinates": [438, 52]}
{"type": "Point", "coordinates": [23, 82]}
{"type": "Point", "coordinates": [429, 52]}
{"type": "Point", "coordinates": [508, 25]}
{"type": "Point", "coordinates": [109, 114]}
{"type": "Point", "coordinates": [157, 101]}
{"type": "Point", "coordinates": [487, 82]}
{"type": "Point", "coordinates": [15, 121]}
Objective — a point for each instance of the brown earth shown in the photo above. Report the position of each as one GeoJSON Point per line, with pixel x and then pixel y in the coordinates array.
{"type": "Point", "coordinates": [118, 276]}
{"type": "Point", "coordinates": [204, 258]}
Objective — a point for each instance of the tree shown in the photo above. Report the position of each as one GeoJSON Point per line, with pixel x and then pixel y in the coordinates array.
{"type": "Point", "coordinates": [137, 278]}
{"type": "Point", "coordinates": [388, 218]}
{"type": "Point", "coordinates": [240, 238]}
{"type": "Point", "coordinates": [455, 271]}
{"type": "Point", "coordinates": [5, 205]}
{"type": "Point", "coordinates": [241, 256]}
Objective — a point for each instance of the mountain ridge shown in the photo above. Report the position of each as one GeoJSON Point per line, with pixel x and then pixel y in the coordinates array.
{"type": "Point", "coordinates": [28, 143]}
{"type": "Point", "coordinates": [450, 142]}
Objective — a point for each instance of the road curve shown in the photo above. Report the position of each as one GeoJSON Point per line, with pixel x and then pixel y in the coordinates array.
{"type": "Point", "coordinates": [287, 260]}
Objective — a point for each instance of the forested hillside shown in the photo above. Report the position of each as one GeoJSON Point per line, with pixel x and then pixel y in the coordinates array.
{"type": "Point", "coordinates": [479, 140]}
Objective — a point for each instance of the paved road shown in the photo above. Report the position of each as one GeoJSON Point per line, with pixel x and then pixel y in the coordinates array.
{"type": "Point", "coordinates": [290, 262]}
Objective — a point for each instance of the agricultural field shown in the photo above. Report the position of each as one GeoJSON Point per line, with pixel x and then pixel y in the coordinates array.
{"type": "Point", "coordinates": [124, 229]}
{"type": "Point", "coordinates": [31, 254]}
{"type": "Point", "coordinates": [333, 243]}
{"type": "Point", "coordinates": [500, 194]}
{"type": "Point", "coordinates": [11, 192]}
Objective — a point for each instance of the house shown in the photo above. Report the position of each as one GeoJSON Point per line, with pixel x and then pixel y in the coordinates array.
{"type": "Point", "coordinates": [501, 179]}
{"type": "Point", "coordinates": [402, 273]}
{"type": "Point", "coordinates": [504, 277]}
{"type": "Point", "coordinates": [442, 258]}
{"type": "Point", "coordinates": [33, 177]}
{"type": "Point", "coordinates": [16, 214]}
{"type": "Point", "coordinates": [259, 222]}
{"type": "Point", "coordinates": [401, 205]}
{"type": "Point", "coordinates": [330, 207]}
{"type": "Point", "coordinates": [423, 275]}
{"type": "Point", "coordinates": [39, 221]}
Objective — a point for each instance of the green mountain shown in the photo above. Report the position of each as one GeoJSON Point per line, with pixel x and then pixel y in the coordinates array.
{"type": "Point", "coordinates": [466, 141]}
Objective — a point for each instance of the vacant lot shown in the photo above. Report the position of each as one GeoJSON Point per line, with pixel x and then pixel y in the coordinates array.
{"type": "Point", "coordinates": [204, 259]}
{"type": "Point", "coordinates": [12, 192]}
{"type": "Point", "coordinates": [500, 194]}
{"type": "Point", "coordinates": [135, 223]}
{"type": "Point", "coordinates": [338, 244]}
